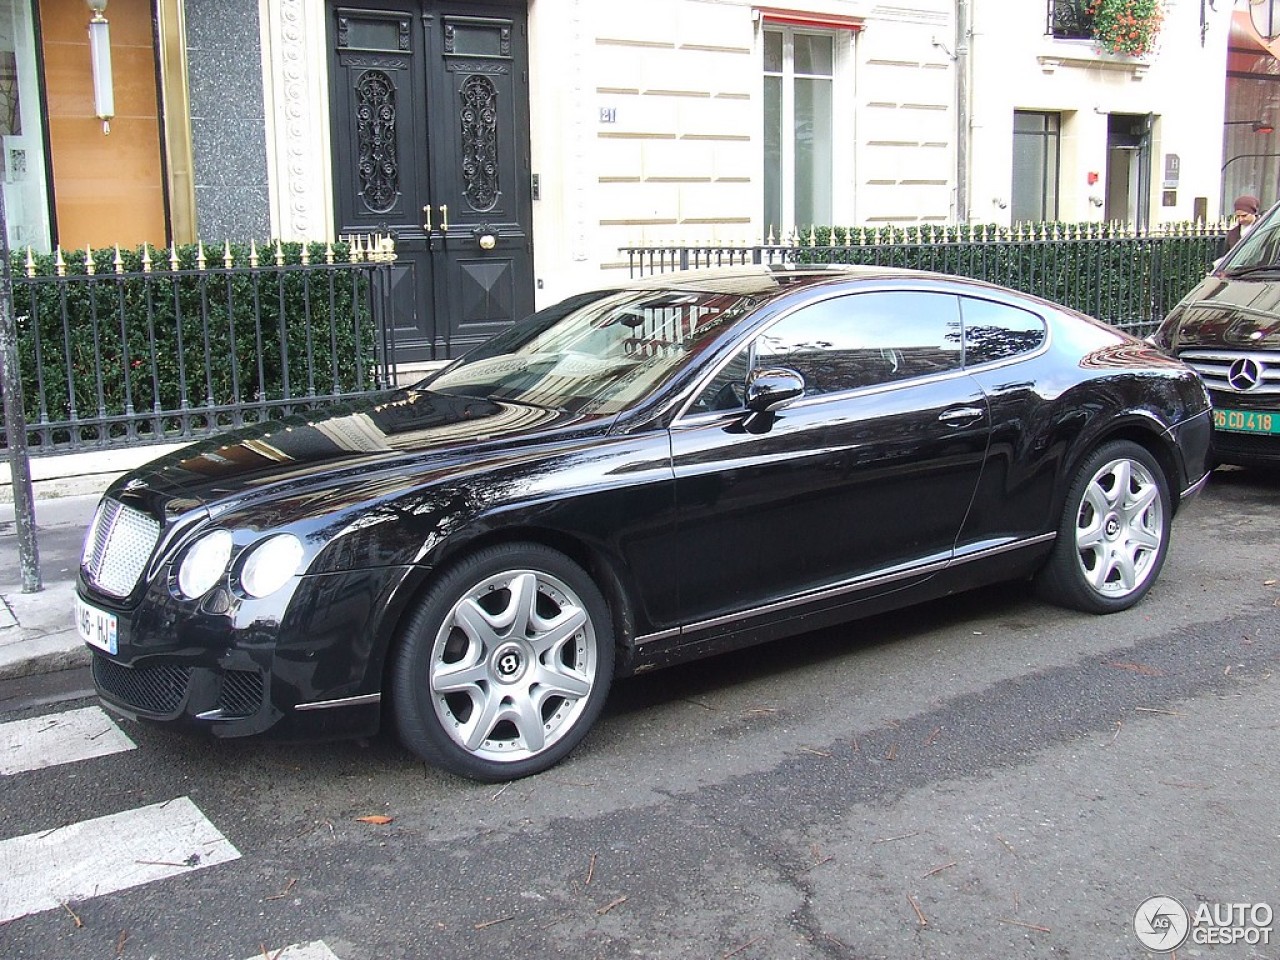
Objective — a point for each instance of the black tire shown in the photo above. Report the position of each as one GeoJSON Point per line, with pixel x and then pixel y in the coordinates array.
{"type": "Point", "coordinates": [1114, 533]}
{"type": "Point", "coordinates": [504, 664]}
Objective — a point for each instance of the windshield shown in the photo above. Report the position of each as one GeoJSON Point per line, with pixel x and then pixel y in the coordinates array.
{"type": "Point", "coordinates": [1259, 250]}
{"type": "Point", "coordinates": [599, 353]}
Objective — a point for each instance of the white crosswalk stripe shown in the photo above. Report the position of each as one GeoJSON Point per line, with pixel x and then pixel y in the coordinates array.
{"type": "Point", "coordinates": [64, 865]}
{"type": "Point", "coordinates": [316, 950]}
{"type": "Point", "coordinates": [48, 741]}
{"type": "Point", "coordinates": [43, 871]}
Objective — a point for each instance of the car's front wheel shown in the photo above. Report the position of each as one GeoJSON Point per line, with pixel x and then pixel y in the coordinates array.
{"type": "Point", "coordinates": [1114, 532]}
{"type": "Point", "coordinates": [504, 664]}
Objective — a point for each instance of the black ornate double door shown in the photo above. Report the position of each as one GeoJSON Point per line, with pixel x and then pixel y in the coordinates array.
{"type": "Point", "coordinates": [430, 120]}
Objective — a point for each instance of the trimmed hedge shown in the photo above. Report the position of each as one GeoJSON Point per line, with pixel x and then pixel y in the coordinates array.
{"type": "Point", "coordinates": [166, 336]}
{"type": "Point", "coordinates": [1130, 281]}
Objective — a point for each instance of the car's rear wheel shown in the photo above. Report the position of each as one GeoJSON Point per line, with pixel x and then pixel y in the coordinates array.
{"type": "Point", "coordinates": [1114, 532]}
{"type": "Point", "coordinates": [504, 664]}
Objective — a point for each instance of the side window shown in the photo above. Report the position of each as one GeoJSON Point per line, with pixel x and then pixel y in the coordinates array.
{"type": "Point", "coordinates": [996, 331]}
{"type": "Point", "coordinates": [727, 389]}
{"type": "Point", "coordinates": [865, 339]}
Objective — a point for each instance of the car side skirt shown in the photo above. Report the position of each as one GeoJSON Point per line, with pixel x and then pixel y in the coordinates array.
{"type": "Point", "coordinates": [974, 566]}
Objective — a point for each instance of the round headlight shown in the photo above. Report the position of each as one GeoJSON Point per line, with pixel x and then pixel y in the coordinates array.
{"type": "Point", "coordinates": [204, 564]}
{"type": "Point", "coordinates": [270, 564]}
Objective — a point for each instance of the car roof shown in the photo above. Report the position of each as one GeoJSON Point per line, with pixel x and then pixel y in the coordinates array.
{"type": "Point", "coordinates": [762, 280]}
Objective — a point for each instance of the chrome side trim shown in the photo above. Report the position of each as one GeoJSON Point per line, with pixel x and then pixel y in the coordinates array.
{"type": "Point", "coordinates": [361, 701]}
{"type": "Point", "coordinates": [981, 553]}
{"type": "Point", "coordinates": [1194, 490]}
{"type": "Point", "coordinates": [849, 586]}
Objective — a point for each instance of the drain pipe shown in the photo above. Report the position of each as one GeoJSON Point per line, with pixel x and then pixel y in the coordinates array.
{"type": "Point", "coordinates": [963, 35]}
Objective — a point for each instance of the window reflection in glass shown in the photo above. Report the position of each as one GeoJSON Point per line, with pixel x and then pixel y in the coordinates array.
{"type": "Point", "coordinates": [865, 340]}
{"type": "Point", "coordinates": [596, 354]}
{"type": "Point", "coordinates": [994, 331]}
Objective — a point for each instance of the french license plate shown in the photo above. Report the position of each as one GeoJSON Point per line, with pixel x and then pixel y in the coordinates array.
{"type": "Point", "coordinates": [1247, 421]}
{"type": "Point", "coordinates": [98, 628]}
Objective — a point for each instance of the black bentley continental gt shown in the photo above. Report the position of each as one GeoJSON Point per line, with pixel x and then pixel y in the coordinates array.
{"type": "Point", "coordinates": [634, 477]}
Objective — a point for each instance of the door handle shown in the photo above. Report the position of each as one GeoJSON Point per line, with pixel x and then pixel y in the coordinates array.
{"type": "Point", "coordinates": [959, 416]}
{"type": "Point", "coordinates": [426, 212]}
{"type": "Point", "coordinates": [444, 218]}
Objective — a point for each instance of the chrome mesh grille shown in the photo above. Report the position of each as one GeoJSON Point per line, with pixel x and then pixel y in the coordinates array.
{"type": "Point", "coordinates": [117, 548]}
{"type": "Point", "coordinates": [1219, 368]}
{"type": "Point", "coordinates": [158, 690]}
{"type": "Point", "coordinates": [241, 693]}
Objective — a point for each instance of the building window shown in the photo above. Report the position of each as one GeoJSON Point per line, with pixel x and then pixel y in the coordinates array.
{"type": "Point", "coordinates": [1035, 165]}
{"type": "Point", "coordinates": [1070, 20]}
{"type": "Point", "coordinates": [22, 160]}
{"type": "Point", "coordinates": [799, 145]}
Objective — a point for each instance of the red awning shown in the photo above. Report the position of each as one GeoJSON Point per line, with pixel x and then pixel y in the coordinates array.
{"type": "Point", "coordinates": [798, 18]}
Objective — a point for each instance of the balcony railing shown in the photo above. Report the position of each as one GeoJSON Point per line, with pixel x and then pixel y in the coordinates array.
{"type": "Point", "coordinates": [1070, 20]}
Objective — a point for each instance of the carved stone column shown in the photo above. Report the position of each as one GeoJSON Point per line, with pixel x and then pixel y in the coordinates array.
{"type": "Point", "coordinates": [296, 95]}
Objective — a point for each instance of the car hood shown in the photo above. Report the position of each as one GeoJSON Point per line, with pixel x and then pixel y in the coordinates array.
{"type": "Point", "coordinates": [388, 441]}
{"type": "Point", "coordinates": [1228, 314]}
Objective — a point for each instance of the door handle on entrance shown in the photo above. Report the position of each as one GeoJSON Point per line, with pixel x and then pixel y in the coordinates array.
{"type": "Point", "coordinates": [426, 212]}
{"type": "Point", "coordinates": [444, 218]}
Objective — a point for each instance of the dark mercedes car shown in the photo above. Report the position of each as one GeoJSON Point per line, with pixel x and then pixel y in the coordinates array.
{"type": "Point", "coordinates": [1228, 330]}
{"type": "Point", "coordinates": [635, 477]}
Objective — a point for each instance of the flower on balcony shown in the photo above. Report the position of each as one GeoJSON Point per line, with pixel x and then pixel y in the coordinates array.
{"type": "Point", "coordinates": [1127, 27]}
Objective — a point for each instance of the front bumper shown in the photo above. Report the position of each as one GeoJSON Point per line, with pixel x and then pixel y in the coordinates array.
{"type": "Point", "coordinates": [308, 665]}
{"type": "Point", "coordinates": [1247, 448]}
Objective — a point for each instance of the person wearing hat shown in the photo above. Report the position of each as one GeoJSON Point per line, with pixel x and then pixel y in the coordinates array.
{"type": "Point", "coordinates": [1246, 213]}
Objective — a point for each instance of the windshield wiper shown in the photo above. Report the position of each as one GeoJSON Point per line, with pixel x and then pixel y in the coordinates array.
{"type": "Point", "coordinates": [1252, 269]}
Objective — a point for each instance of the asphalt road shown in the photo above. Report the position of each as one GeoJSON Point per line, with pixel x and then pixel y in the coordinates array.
{"type": "Point", "coordinates": [985, 776]}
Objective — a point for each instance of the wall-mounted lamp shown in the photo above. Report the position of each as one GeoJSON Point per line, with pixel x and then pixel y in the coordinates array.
{"type": "Point", "coordinates": [104, 97]}
{"type": "Point", "coordinates": [1257, 126]}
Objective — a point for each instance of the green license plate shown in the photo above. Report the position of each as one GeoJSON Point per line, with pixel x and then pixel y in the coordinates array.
{"type": "Point", "coordinates": [1247, 421]}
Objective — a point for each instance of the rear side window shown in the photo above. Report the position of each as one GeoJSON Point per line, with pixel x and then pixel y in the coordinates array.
{"type": "Point", "coordinates": [996, 331]}
{"type": "Point", "coordinates": [865, 339]}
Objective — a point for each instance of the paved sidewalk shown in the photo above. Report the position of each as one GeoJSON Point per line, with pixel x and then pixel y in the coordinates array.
{"type": "Point", "coordinates": [37, 630]}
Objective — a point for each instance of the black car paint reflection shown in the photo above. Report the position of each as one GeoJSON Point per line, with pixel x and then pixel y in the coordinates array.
{"type": "Point", "coordinates": [910, 468]}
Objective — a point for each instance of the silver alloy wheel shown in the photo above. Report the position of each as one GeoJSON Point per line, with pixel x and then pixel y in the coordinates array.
{"type": "Point", "coordinates": [1120, 528]}
{"type": "Point", "coordinates": [513, 665]}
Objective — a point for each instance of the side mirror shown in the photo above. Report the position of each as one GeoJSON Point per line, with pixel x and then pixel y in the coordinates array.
{"type": "Point", "coordinates": [770, 390]}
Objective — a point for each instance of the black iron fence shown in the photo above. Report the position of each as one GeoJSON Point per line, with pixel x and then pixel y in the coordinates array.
{"type": "Point", "coordinates": [1126, 279]}
{"type": "Point", "coordinates": [150, 346]}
